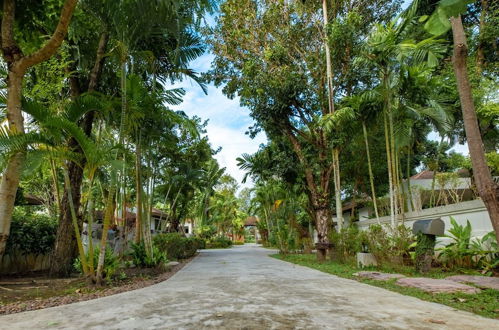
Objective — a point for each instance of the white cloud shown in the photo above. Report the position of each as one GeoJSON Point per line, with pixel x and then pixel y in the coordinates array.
{"type": "Point", "coordinates": [460, 148]}
{"type": "Point", "coordinates": [234, 143]}
{"type": "Point", "coordinates": [228, 121]}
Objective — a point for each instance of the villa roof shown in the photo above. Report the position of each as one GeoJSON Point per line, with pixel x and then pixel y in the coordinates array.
{"type": "Point", "coordinates": [427, 174]}
{"type": "Point", "coordinates": [250, 221]}
{"type": "Point", "coordinates": [32, 200]}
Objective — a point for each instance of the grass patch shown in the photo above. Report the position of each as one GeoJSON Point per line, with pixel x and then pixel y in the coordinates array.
{"type": "Point", "coordinates": [484, 303]}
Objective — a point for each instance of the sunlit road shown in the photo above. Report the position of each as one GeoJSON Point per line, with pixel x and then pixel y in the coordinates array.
{"type": "Point", "coordinates": [243, 288]}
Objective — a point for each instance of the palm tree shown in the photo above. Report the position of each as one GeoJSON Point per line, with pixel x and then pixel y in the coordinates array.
{"type": "Point", "coordinates": [392, 54]}
{"type": "Point", "coordinates": [49, 141]}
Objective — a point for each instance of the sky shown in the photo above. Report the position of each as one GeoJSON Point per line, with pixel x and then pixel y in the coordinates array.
{"type": "Point", "coordinates": [228, 121]}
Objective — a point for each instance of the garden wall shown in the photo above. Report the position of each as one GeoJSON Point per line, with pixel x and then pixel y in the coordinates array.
{"type": "Point", "coordinates": [14, 264]}
{"type": "Point", "coordinates": [474, 211]}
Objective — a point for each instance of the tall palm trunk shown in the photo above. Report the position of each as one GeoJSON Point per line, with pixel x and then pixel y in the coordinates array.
{"type": "Point", "coordinates": [389, 164]}
{"type": "Point", "coordinates": [435, 172]}
{"type": "Point", "coordinates": [487, 188]}
{"type": "Point", "coordinates": [105, 228]}
{"type": "Point", "coordinates": [90, 223]}
{"type": "Point", "coordinates": [18, 64]}
{"type": "Point", "coordinates": [371, 176]}
{"type": "Point", "coordinates": [393, 167]}
{"type": "Point", "coordinates": [337, 187]}
{"type": "Point", "coordinates": [76, 226]}
{"type": "Point", "coordinates": [409, 188]}
{"type": "Point", "coordinates": [138, 189]}
{"type": "Point", "coordinates": [330, 88]}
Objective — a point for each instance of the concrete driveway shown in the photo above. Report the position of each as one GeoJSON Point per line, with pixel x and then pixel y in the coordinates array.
{"type": "Point", "coordinates": [243, 288]}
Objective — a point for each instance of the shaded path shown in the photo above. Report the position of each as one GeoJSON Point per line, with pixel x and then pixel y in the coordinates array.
{"type": "Point", "coordinates": [243, 288]}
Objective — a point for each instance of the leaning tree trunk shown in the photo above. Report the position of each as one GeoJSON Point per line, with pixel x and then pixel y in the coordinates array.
{"type": "Point", "coordinates": [11, 175]}
{"type": "Point", "coordinates": [371, 176]}
{"type": "Point", "coordinates": [487, 188]}
{"type": "Point", "coordinates": [18, 64]}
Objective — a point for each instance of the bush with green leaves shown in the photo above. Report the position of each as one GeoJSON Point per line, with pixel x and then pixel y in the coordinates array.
{"type": "Point", "coordinates": [176, 246]}
{"type": "Point", "coordinates": [378, 242]}
{"type": "Point", "coordinates": [111, 263]}
{"type": "Point", "coordinates": [220, 242]}
{"type": "Point", "coordinates": [31, 234]}
{"type": "Point", "coordinates": [464, 251]}
{"type": "Point", "coordinates": [206, 231]}
{"type": "Point", "coordinates": [199, 242]}
{"type": "Point", "coordinates": [141, 259]}
{"type": "Point", "coordinates": [347, 242]}
{"type": "Point", "coordinates": [401, 239]}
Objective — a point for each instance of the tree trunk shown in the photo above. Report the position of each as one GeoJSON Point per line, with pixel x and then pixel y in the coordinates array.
{"type": "Point", "coordinates": [138, 191]}
{"type": "Point", "coordinates": [371, 176]}
{"type": "Point", "coordinates": [409, 188]}
{"type": "Point", "coordinates": [322, 220]}
{"type": "Point", "coordinates": [337, 188]}
{"type": "Point", "coordinates": [11, 175]}
{"type": "Point", "coordinates": [105, 228]}
{"type": "Point", "coordinates": [330, 88]}
{"type": "Point", "coordinates": [389, 163]}
{"type": "Point", "coordinates": [65, 248]}
{"type": "Point", "coordinates": [487, 188]}
{"type": "Point", "coordinates": [76, 226]}
{"type": "Point", "coordinates": [480, 56]}
{"type": "Point", "coordinates": [18, 64]}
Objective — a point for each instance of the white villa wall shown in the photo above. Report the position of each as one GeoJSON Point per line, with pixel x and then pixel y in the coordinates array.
{"type": "Point", "coordinates": [364, 213]}
{"type": "Point", "coordinates": [474, 211]}
{"type": "Point", "coordinates": [346, 218]}
{"type": "Point", "coordinates": [461, 183]}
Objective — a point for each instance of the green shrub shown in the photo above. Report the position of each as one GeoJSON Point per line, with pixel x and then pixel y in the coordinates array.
{"type": "Point", "coordinates": [401, 238]}
{"type": "Point", "coordinates": [238, 243]}
{"type": "Point", "coordinates": [206, 231]}
{"type": "Point", "coordinates": [347, 242]}
{"type": "Point", "coordinates": [31, 234]}
{"type": "Point", "coordinates": [220, 242]}
{"type": "Point", "coordinates": [378, 242]}
{"type": "Point", "coordinates": [141, 259]}
{"type": "Point", "coordinates": [111, 263]}
{"type": "Point", "coordinates": [200, 242]}
{"type": "Point", "coordinates": [176, 246]}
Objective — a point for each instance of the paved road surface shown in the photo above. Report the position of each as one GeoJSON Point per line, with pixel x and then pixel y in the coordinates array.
{"type": "Point", "coordinates": [243, 288]}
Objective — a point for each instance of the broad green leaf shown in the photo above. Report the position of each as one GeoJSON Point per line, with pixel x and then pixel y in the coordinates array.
{"type": "Point", "coordinates": [432, 60]}
{"type": "Point", "coordinates": [423, 18]}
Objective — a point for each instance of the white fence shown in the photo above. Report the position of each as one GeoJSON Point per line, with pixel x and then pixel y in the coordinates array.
{"type": "Point", "coordinates": [474, 211]}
